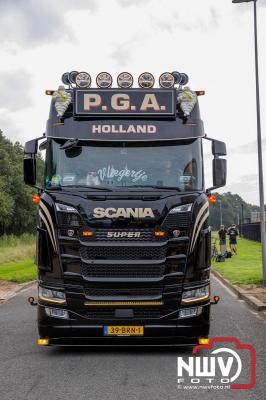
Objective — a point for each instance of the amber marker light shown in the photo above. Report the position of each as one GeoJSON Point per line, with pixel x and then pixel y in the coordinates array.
{"type": "Point", "coordinates": [36, 198]}
{"type": "Point", "coordinates": [216, 299]}
{"type": "Point", "coordinates": [49, 92]}
{"type": "Point", "coordinates": [43, 342]}
{"type": "Point", "coordinates": [200, 92]}
{"type": "Point", "coordinates": [87, 233]}
{"type": "Point", "coordinates": [204, 340]}
{"type": "Point", "coordinates": [159, 233]}
{"type": "Point", "coordinates": [212, 199]}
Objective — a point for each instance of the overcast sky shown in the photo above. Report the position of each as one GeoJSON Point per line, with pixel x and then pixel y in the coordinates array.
{"type": "Point", "coordinates": [210, 40]}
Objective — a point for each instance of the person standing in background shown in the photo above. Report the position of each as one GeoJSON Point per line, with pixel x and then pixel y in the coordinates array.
{"type": "Point", "coordinates": [233, 233]}
{"type": "Point", "coordinates": [222, 240]}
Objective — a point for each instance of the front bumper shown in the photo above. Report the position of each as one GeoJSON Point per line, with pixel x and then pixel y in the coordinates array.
{"type": "Point", "coordinates": [79, 331]}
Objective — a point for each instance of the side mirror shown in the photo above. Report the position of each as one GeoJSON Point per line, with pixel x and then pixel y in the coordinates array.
{"type": "Point", "coordinates": [219, 172]}
{"type": "Point", "coordinates": [31, 147]}
{"type": "Point", "coordinates": [218, 148]}
{"type": "Point", "coordinates": [30, 171]}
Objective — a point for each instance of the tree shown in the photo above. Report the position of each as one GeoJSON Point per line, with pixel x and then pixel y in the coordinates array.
{"type": "Point", "coordinates": [231, 205]}
{"type": "Point", "coordinates": [17, 213]}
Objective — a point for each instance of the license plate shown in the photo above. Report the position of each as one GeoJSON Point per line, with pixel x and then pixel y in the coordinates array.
{"type": "Point", "coordinates": [123, 330]}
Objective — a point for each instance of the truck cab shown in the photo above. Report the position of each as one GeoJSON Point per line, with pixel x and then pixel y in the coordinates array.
{"type": "Point", "coordinates": [123, 235]}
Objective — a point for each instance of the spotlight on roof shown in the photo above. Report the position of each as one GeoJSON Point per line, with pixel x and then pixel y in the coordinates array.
{"type": "Point", "coordinates": [146, 80]}
{"type": "Point", "coordinates": [104, 80]}
{"type": "Point", "coordinates": [166, 80]}
{"type": "Point", "coordinates": [72, 77]}
{"type": "Point", "coordinates": [184, 79]}
{"type": "Point", "coordinates": [83, 80]}
{"type": "Point", "coordinates": [65, 78]}
{"type": "Point", "coordinates": [177, 76]}
{"type": "Point", "coordinates": [125, 80]}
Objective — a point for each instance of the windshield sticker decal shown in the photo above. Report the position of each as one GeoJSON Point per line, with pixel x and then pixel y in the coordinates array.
{"type": "Point", "coordinates": [119, 174]}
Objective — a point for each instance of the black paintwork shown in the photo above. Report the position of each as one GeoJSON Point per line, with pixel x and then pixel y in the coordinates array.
{"type": "Point", "coordinates": [161, 267]}
{"type": "Point", "coordinates": [66, 271]}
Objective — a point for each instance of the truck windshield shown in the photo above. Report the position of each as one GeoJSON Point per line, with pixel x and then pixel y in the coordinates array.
{"type": "Point", "coordinates": [177, 165]}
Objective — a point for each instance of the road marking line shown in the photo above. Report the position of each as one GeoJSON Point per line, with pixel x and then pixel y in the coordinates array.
{"type": "Point", "coordinates": [225, 287]}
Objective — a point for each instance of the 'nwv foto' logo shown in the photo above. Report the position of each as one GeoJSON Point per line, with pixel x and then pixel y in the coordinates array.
{"type": "Point", "coordinates": [223, 363]}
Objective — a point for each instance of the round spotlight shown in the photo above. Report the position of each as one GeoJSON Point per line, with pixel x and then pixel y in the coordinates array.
{"type": "Point", "coordinates": [72, 77]}
{"type": "Point", "coordinates": [177, 77]}
{"type": "Point", "coordinates": [83, 80]}
{"type": "Point", "coordinates": [146, 80]}
{"type": "Point", "coordinates": [104, 80]}
{"type": "Point", "coordinates": [65, 78]}
{"type": "Point", "coordinates": [125, 80]}
{"type": "Point", "coordinates": [166, 80]}
{"type": "Point", "coordinates": [184, 79]}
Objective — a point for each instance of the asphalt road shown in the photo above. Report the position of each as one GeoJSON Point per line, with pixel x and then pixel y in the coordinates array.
{"type": "Point", "coordinates": [30, 372]}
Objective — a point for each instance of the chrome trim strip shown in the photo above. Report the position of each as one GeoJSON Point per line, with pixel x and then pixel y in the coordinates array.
{"type": "Point", "coordinates": [48, 216]}
{"type": "Point", "coordinates": [201, 212]}
{"type": "Point", "coordinates": [48, 229]}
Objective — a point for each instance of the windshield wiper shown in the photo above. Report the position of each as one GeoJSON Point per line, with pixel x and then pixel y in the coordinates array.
{"type": "Point", "coordinates": [155, 187]}
{"type": "Point", "coordinates": [88, 187]}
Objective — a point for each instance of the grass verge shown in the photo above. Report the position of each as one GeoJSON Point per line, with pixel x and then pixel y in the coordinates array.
{"type": "Point", "coordinates": [244, 268]}
{"type": "Point", "coordinates": [22, 271]}
{"type": "Point", "coordinates": [17, 258]}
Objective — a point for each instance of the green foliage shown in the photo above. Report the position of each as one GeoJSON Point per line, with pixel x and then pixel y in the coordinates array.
{"type": "Point", "coordinates": [14, 248]}
{"type": "Point", "coordinates": [17, 213]}
{"type": "Point", "coordinates": [245, 267]}
{"type": "Point", "coordinates": [231, 205]}
{"type": "Point", "coordinates": [22, 271]}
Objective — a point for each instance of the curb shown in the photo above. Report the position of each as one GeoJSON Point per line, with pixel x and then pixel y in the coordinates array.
{"type": "Point", "coordinates": [252, 301]}
{"type": "Point", "coordinates": [20, 288]}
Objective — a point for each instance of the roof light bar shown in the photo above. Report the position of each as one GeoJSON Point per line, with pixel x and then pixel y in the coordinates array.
{"type": "Point", "coordinates": [146, 80]}
{"type": "Point", "coordinates": [83, 80]}
{"type": "Point", "coordinates": [125, 80]}
{"type": "Point", "coordinates": [65, 78]}
{"type": "Point", "coordinates": [177, 76]}
{"type": "Point", "coordinates": [184, 79]}
{"type": "Point", "coordinates": [104, 80]}
{"type": "Point", "coordinates": [72, 77]}
{"type": "Point", "coordinates": [166, 80]}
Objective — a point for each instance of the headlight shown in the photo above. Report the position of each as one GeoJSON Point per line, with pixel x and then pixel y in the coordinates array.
{"type": "Point", "coordinates": [51, 295]}
{"type": "Point", "coordinates": [56, 312]}
{"type": "Point", "coordinates": [65, 208]}
{"type": "Point", "coordinates": [182, 208]}
{"type": "Point", "coordinates": [199, 294]}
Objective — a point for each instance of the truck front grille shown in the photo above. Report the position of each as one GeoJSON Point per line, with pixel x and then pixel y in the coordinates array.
{"type": "Point", "coordinates": [123, 253]}
{"type": "Point", "coordinates": [122, 235]}
{"type": "Point", "coordinates": [122, 271]}
{"type": "Point", "coordinates": [177, 221]}
{"type": "Point", "coordinates": [69, 219]}
{"type": "Point", "coordinates": [140, 314]}
{"type": "Point", "coordinates": [123, 293]}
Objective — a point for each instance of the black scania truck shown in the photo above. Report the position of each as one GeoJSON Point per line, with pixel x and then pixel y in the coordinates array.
{"type": "Point", "coordinates": [123, 238]}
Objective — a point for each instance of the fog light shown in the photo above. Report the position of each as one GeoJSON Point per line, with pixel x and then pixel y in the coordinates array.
{"type": "Point", "coordinates": [43, 342]}
{"type": "Point", "coordinates": [190, 312]}
{"type": "Point", "coordinates": [56, 312]}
